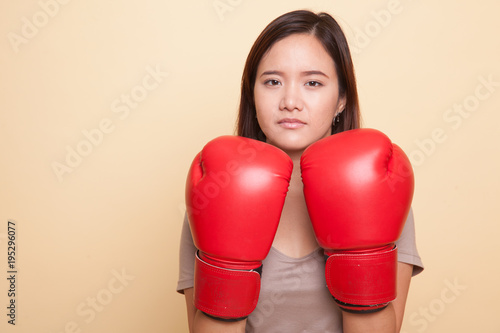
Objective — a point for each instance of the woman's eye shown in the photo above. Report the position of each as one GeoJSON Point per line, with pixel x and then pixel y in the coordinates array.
{"type": "Point", "coordinates": [313, 84]}
{"type": "Point", "coordinates": [272, 82]}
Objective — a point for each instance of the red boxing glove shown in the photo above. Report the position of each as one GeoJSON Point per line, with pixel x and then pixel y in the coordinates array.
{"type": "Point", "coordinates": [235, 193]}
{"type": "Point", "coordinates": [358, 188]}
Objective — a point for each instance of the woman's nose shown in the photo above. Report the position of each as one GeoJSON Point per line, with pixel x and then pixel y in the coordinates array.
{"type": "Point", "coordinates": [291, 99]}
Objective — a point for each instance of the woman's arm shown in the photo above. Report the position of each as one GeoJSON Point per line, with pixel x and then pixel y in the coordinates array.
{"type": "Point", "coordinates": [383, 321]}
{"type": "Point", "coordinates": [404, 278]}
{"type": "Point", "coordinates": [191, 309]}
{"type": "Point", "coordinates": [199, 323]}
{"type": "Point", "coordinates": [388, 320]}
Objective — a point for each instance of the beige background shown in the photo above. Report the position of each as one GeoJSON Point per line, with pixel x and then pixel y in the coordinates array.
{"type": "Point", "coordinates": [67, 68]}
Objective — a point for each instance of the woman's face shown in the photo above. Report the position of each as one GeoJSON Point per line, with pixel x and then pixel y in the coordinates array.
{"type": "Point", "coordinates": [296, 93]}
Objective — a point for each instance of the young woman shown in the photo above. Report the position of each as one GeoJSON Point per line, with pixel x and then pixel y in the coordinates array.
{"type": "Point", "coordinates": [298, 87]}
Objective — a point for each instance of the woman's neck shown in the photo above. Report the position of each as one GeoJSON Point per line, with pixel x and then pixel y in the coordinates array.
{"type": "Point", "coordinates": [295, 157]}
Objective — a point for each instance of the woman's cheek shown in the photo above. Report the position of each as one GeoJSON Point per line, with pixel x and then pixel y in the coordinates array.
{"type": "Point", "coordinates": [264, 119]}
{"type": "Point", "coordinates": [321, 123]}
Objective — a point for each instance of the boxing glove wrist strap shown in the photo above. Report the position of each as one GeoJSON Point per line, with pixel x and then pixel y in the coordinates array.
{"type": "Point", "coordinates": [362, 281]}
{"type": "Point", "coordinates": [225, 294]}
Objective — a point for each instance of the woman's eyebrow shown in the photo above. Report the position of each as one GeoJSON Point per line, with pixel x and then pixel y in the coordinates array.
{"type": "Point", "coordinates": [272, 72]}
{"type": "Point", "coordinates": [305, 73]}
{"type": "Point", "coordinates": [315, 72]}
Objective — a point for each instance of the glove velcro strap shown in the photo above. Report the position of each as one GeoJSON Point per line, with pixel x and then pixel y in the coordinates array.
{"type": "Point", "coordinates": [225, 294]}
{"type": "Point", "coordinates": [363, 281]}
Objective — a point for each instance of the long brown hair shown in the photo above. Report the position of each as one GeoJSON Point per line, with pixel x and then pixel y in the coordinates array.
{"type": "Point", "coordinates": [328, 32]}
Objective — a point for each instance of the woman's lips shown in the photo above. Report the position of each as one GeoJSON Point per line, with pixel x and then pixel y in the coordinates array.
{"type": "Point", "coordinates": [291, 123]}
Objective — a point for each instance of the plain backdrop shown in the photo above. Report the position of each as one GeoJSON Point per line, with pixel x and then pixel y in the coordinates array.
{"type": "Point", "coordinates": [103, 105]}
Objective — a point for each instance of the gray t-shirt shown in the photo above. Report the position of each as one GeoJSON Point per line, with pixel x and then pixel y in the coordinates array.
{"type": "Point", "coordinates": [293, 296]}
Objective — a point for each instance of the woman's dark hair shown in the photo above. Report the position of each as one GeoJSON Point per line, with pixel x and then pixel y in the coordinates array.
{"type": "Point", "coordinates": [328, 32]}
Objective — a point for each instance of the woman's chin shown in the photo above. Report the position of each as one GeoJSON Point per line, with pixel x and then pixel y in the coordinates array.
{"type": "Point", "coordinates": [290, 146]}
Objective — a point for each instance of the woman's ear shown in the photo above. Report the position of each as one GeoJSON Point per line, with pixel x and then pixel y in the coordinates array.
{"type": "Point", "coordinates": [340, 105]}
